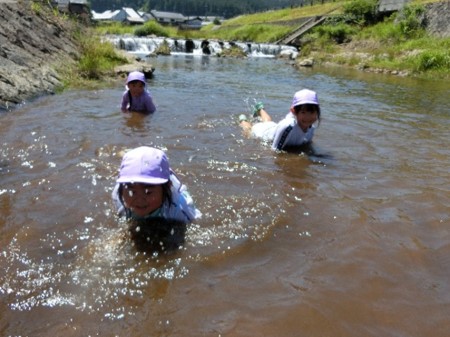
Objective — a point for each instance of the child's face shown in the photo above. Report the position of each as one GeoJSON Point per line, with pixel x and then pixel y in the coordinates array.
{"type": "Point", "coordinates": [306, 115]}
{"type": "Point", "coordinates": [136, 88]}
{"type": "Point", "coordinates": [142, 199]}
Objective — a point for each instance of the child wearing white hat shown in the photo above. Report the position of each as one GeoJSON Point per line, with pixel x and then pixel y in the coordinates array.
{"type": "Point", "coordinates": [295, 129]}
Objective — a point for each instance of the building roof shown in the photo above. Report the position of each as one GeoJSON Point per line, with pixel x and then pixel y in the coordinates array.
{"type": "Point", "coordinates": [67, 2]}
{"type": "Point", "coordinates": [167, 15]}
{"type": "Point", "coordinates": [391, 5]}
{"type": "Point", "coordinates": [124, 14]}
{"type": "Point", "coordinates": [79, 2]}
{"type": "Point", "coordinates": [132, 15]}
{"type": "Point", "coordinates": [106, 15]}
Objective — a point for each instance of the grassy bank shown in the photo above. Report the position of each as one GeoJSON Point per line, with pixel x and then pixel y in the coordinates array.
{"type": "Point", "coordinates": [355, 36]}
{"type": "Point", "coordinates": [95, 61]}
{"type": "Point", "coordinates": [398, 44]}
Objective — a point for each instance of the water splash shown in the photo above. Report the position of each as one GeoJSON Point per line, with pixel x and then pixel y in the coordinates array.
{"type": "Point", "coordinates": [146, 46]}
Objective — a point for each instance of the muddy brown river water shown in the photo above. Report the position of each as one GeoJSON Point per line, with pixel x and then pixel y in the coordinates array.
{"type": "Point", "coordinates": [351, 241]}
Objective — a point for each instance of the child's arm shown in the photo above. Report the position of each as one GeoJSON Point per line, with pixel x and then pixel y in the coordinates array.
{"type": "Point", "coordinates": [149, 105]}
{"type": "Point", "coordinates": [125, 102]}
{"type": "Point", "coordinates": [280, 136]}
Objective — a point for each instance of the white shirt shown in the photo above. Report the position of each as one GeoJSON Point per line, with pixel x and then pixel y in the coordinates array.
{"type": "Point", "coordinates": [284, 133]}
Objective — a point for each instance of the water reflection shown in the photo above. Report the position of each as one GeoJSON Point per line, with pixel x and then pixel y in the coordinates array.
{"type": "Point", "coordinates": [136, 122]}
{"type": "Point", "coordinates": [157, 235]}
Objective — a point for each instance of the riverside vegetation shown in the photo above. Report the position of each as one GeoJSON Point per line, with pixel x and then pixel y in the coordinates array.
{"type": "Point", "coordinates": [355, 35]}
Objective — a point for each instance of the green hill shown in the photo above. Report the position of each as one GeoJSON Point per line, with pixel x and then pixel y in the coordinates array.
{"type": "Point", "coordinates": [414, 41]}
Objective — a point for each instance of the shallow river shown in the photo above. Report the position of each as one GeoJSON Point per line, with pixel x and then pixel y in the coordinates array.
{"type": "Point", "coordinates": [351, 241]}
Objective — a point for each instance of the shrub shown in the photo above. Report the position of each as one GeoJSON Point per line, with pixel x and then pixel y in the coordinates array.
{"type": "Point", "coordinates": [339, 33]}
{"type": "Point", "coordinates": [411, 20]}
{"type": "Point", "coordinates": [361, 12]}
{"type": "Point", "coordinates": [163, 49]}
{"type": "Point", "coordinates": [115, 28]}
{"type": "Point", "coordinates": [433, 60]}
{"type": "Point", "coordinates": [233, 51]}
{"type": "Point", "coordinates": [97, 58]}
{"type": "Point", "coordinates": [257, 33]}
{"type": "Point", "coordinates": [151, 27]}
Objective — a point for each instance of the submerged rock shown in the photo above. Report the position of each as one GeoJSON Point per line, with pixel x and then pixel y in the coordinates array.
{"type": "Point", "coordinates": [305, 62]}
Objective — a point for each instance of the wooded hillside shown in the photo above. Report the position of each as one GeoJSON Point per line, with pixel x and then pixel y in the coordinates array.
{"type": "Point", "coordinates": [225, 8]}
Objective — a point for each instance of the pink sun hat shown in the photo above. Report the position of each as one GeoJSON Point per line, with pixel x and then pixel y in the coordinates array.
{"type": "Point", "coordinates": [145, 165]}
{"type": "Point", "coordinates": [305, 96]}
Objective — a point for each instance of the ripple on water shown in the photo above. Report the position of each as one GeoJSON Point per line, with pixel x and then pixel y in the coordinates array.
{"type": "Point", "coordinates": [94, 267]}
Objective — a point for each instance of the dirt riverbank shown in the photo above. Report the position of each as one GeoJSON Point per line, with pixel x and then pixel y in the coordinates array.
{"type": "Point", "coordinates": [33, 44]}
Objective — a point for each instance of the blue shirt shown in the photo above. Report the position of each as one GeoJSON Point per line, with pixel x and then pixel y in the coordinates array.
{"type": "Point", "coordinates": [181, 206]}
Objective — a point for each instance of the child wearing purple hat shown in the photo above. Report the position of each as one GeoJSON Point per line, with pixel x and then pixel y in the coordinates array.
{"type": "Point", "coordinates": [136, 98]}
{"type": "Point", "coordinates": [147, 187]}
{"type": "Point", "coordinates": [156, 204]}
{"type": "Point", "coordinates": [295, 129]}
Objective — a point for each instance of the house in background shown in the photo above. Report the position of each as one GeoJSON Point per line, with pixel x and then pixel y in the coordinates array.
{"type": "Point", "coordinates": [71, 6]}
{"type": "Point", "coordinates": [168, 18]}
{"type": "Point", "coordinates": [210, 19]}
{"type": "Point", "coordinates": [124, 15]}
{"type": "Point", "coordinates": [130, 16]}
{"type": "Point", "coordinates": [191, 23]}
{"type": "Point", "coordinates": [390, 6]}
{"type": "Point", "coordinates": [146, 16]}
{"type": "Point", "coordinates": [105, 16]}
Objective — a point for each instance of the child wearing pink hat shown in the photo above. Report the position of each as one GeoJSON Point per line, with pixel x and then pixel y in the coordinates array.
{"type": "Point", "coordinates": [295, 129]}
{"type": "Point", "coordinates": [136, 98]}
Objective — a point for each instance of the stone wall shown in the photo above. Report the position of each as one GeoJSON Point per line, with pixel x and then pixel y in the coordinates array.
{"type": "Point", "coordinates": [438, 18]}
{"type": "Point", "coordinates": [32, 43]}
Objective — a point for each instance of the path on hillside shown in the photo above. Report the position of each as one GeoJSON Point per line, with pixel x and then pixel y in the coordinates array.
{"type": "Point", "coordinates": [292, 36]}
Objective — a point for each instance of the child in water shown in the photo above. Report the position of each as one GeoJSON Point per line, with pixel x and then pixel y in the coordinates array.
{"type": "Point", "coordinates": [136, 98]}
{"type": "Point", "coordinates": [156, 203]}
{"type": "Point", "coordinates": [297, 127]}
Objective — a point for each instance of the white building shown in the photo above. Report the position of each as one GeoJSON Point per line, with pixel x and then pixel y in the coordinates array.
{"type": "Point", "coordinates": [124, 15]}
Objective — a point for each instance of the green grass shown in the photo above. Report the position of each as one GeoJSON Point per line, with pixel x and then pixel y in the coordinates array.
{"type": "Point", "coordinates": [114, 28]}
{"type": "Point", "coordinates": [153, 28]}
{"type": "Point", "coordinates": [97, 58]}
{"type": "Point", "coordinates": [393, 45]}
{"type": "Point", "coordinates": [397, 47]}
{"type": "Point", "coordinates": [287, 14]}
{"type": "Point", "coordinates": [97, 61]}
{"type": "Point", "coordinates": [399, 43]}
{"type": "Point", "coordinates": [264, 27]}
{"type": "Point", "coordinates": [259, 33]}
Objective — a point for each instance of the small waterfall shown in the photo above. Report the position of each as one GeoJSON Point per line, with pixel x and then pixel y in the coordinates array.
{"type": "Point", "coordinates": [147, 45]}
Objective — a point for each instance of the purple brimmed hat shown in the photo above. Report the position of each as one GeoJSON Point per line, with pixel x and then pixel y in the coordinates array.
{"type": "Point", "coordinates": [305, 96]}
{"type": "Point", "coordinates": [144, 165]}
{"type": "Point", "coordinates": [136, 76]}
